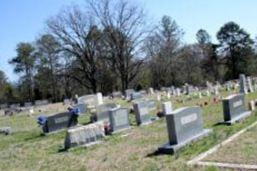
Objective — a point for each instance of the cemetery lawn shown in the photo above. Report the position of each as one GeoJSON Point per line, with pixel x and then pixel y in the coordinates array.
{"type": "Point", "coordinates": [27, 149]}
{"type": "Point", "coordinates": [240, 151]}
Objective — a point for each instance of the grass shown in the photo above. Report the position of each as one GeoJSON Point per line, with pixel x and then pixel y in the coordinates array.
{"type": "Point", "coordinates": [241, 151]}
{"type": "Point", "coordinates": [26, 149]}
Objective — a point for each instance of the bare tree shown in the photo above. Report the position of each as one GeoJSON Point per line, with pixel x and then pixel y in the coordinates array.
{"type": "Point", "coordinates": [123, 30]}
{"type": "Point", "coordinates": [79, 37]}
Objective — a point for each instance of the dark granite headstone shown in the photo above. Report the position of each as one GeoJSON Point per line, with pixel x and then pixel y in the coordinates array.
{"type": "Point", "coordinates": [58, 121]}
{"type": "Point", "coordinates": [119, 119]}
{"type": "Point", "coordinates": [184, 126]}
{"type": "Point", "coordinates": [234, 108]}
{"type": "Point", "coordinates": [142, 112]}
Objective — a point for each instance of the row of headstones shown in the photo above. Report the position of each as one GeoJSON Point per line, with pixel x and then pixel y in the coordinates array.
{"type": "Point", "coordinates": [114, 118]}
{"type": "Point", "coordinates": [247, 85]}
{"type": "Point", "coordinates": [184, 125]}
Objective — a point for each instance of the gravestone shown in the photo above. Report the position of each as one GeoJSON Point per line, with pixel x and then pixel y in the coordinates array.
{"type": "Point", "coordinates": [234, 108]}
{"type": "Point", "coordinates": [178, 92]}
{"type": "Point", "coordinates": [128, 93]}
{"type": "Point", "coordinates": [167, 108]}
{"type": "Point", "coordinates": [3, 106]}
{"type": "Point", "coordinates": [151, 91]}
{"type": "Point", "coordinates": [119, 119]}
{"type": "Point", "coordinates": [184, 126]}
{"type": "Point", "coordinates": [102, 111]}
{"type": "Point", "coordinates": [84, 135]}
{"type": "Point", "coordinates": [136, 95]}
{"type": "Point", "coordinates": [28, 104]}
{"type": "Point", "coordinates": [158, 97]}
{"type": "Point", "coordinates": [89, 100]}
{"type": "Point", "coordinates": [81, 107]}
{"type": "Point", "coordinates": [117, 94]}
{"type": "Point", "coordinates": [99, 98]}
{"type": "Point", "coordinates": [142, 112]}
{"type": "Point", "coordinates": [58, 121]}
{"type": "Point", "coordinates": [66, 101]}
{"type": "Point", "coordinates": [243, 86]}
{"type": "Point", "coordinates": [41, 102]}
{"type": "Point", "coordinates": [152, 105]}
{"type": "Point", "coordinates": [249, 84]}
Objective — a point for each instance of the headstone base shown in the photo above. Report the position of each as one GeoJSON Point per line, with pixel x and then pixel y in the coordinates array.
{"type": "Point", "coordinates": [238, 118]}
{"type": "Point", "coordinates": [171, 149]}
{"type": "Point", "coordinates": [120, 130]}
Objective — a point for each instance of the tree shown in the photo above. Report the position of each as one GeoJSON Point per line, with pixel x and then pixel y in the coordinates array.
{"type": "Point", "coordinates": [79, 37]}
{"type": "Point", "coordinates": [161, 46]}
{"type": "Point", "coordinates": [24, 62]}
{"type": "Point", "coordinates": [236, 49]}
{"type": "Point", "coordinates": [123, 31]}
{"type": "Point", "coordinates": [208, 53]}
{"type": "Point", "coordinates": [48, 53]}
{"type": "Point", "coordinates": [203, 37]}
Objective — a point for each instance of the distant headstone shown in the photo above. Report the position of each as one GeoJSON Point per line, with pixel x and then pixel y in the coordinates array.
{"type": "Point", "coordinates": [28, 104]}
{"type": "Point", "coordinates": [119, 119]}
{"type": "Point", "coordinates": [41, 102]}
{"type": "Point", "coordinates": [234, 108]}
{"type": "Point", "coordinates": [66, 101]}
{"type": "Point", "coordinates": [58, 121]}
{"type": "Point", "coordinates": [158, 97]}
{"type": "Point", "coordinates": [117, 94]}
{"type": "Point", "coordinates": [249, 84]}
{"type": "Point", "coordinates": [151, 91]}
{"type": "Point", "coordinates": [99, 98]}
{"type": "Point", "coordinates": [178, 92]}
{"type": "Point", "coordinates": [184, 126]}
{"type": "Point", "coordinates": [128, 93]}
{"type": "Point", "coordinates": [136, 95]}
{"type": "Point", "coordinates": [152, 105]}
{"type": "Point", "coordinates": [102, 111]}
{"type": "Point", "coordinates": [3, 106]}
{"type": "Point", "coordinates": [81, 107]}
{"type": "Point", "coordinates": [167, 107]}
{"type": "Point", "coordinates": [89, 100]}
{"type": "Point", "coordinates": [84, 135]}
{"type": "Point", "coordinates": [142, 112]}
{"type": "Point", "coordinates": [243, 86]}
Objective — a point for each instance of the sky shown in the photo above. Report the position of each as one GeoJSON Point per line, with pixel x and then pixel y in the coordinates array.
{"type": "Point", "coordinates": [24, 20]}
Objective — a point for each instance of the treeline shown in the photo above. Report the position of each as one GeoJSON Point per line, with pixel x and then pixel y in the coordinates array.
{"type": "Point", "coordinates": [109, 45]}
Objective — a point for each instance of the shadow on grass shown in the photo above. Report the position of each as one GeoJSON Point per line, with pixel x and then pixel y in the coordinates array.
{"type": "Point", "coordinates": [221, 123]}
{"type": "Point", "coordinates": [62, 150]}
